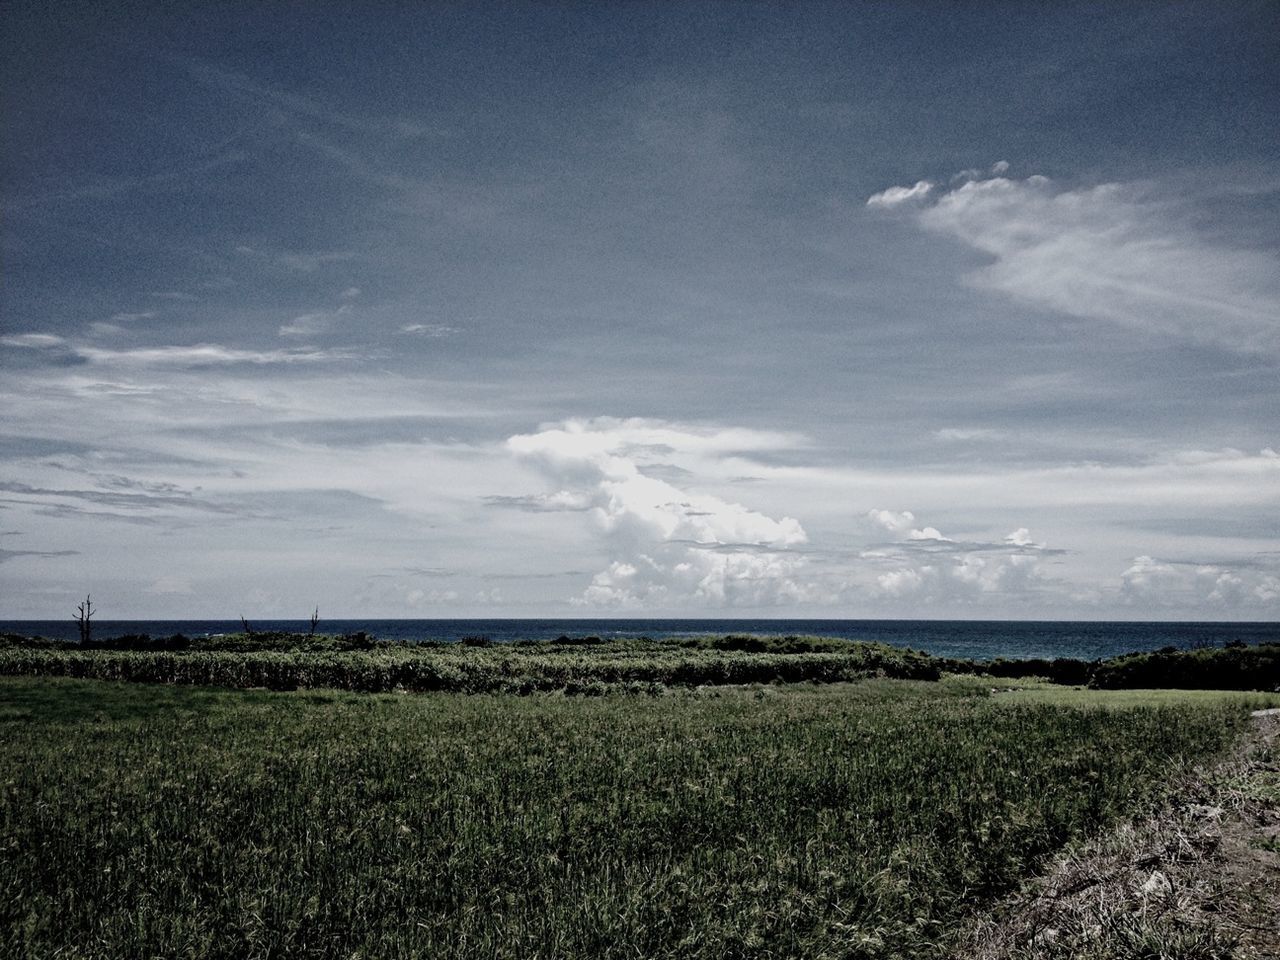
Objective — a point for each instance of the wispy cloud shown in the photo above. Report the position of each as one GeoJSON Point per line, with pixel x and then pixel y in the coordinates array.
{"type": "Point", "coordinates": [895, 196]}
{"type": "Point", "coordinates": [429, 329]}
{"type": "Point", "coordinates": [103, 187]}
{"type": "Point", "coordinates": [298, 105]}
{"type": "Point", "coordinates": [33, 341]}
{"type": "Point", "coordinates": [317, 322]}
{"type": "Point", "coordinates": [300, 261]}
{"type": "Point", "coordinates": [1118, 252]}
{"type": "Point", "coordinates": [155, 499]}
{"type": "Point", "coordinates": [206, 354]}
{"type": "Point", "coordinates": [7, 555]}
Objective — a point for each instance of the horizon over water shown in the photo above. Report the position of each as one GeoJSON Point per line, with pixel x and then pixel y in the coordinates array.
{"type": "Point", "coordinates": [970, 639]}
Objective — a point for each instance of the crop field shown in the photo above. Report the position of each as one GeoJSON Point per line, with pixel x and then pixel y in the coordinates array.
{"type": "Point", "coordinates": [844, 820]}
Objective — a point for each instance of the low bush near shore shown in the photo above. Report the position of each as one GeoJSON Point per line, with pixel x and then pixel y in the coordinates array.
{"type": "Point", "coordinates": [469, 668]}
{"type": "Point", "coordinates": [285, 661]}
{"type": "Point", "coordinates": [1225, 668]}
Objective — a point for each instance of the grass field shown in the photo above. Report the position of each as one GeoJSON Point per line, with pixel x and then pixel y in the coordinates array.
{"type": "Point", "coordinates": [847, 820]}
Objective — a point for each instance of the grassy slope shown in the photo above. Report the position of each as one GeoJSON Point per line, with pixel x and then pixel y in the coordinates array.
{"type": "Point", "coordinates": [847, 820]}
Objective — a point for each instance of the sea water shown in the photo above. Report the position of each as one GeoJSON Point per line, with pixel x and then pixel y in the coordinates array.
{"type": "Point", "coordinates": [972, 639]}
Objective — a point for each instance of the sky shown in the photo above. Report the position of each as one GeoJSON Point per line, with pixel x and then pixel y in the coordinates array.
{"type": "Point", "coordinates": [640, 309]}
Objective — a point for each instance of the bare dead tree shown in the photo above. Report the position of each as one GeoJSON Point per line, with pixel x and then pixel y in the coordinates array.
{"type": "Point", "coordinates": [245, 624]}
{"type": "Point", "coordinates": [84, 611]}
{"type": "Point", "coordinates": [315, 618]}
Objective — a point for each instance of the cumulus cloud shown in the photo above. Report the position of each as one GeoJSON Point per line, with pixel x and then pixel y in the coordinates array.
{"type": "Point", "coordinates": [929, 533]}
{"type": "Point", "coordinates": [671, 544]}
{"type": "Point", "coordinates": [1020, 538]}
{"type": "Point", "coordinates": [927, 566]}
{"type": "Point", "coordinates": [965, 578]}
{"type": "Point", "coordinates": [1154, 583]}
{"type": "Point", "coordinates": [1116, 252]}
{"type": "Point", "coordinates": [892, 520]}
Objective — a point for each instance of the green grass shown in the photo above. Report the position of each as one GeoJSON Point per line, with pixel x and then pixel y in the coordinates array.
{"type": "Point", "coordinates": [847, 820]}
{"type": "Point", "coordinates": [288, 661]}
{"type": "Point", "coordinates": [635, 665]}
{"type": "Point", "coordinates": [1125, 699]}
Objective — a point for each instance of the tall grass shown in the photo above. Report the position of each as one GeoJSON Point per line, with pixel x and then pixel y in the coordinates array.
{"type": "Point", "coordinates": [285, 661]}
{"type": "Point", "coordinates": [469, 668]}
{"type": "Point", "coordinates": [841, 821]}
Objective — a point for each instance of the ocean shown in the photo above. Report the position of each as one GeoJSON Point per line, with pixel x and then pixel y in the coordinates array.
{"type": "Point", "coordinates": [972, 639]}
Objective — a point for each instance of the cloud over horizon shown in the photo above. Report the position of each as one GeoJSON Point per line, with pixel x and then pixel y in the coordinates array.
{"type": "Point", "coordinates": [709, 328]}
{"type": "Point", "coordinates": [665, 541]}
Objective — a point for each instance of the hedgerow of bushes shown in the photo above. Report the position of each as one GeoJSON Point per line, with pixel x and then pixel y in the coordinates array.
{"type": "Point", "coordinates": [468, 669]}
{"type": "Point", "coordinates": [284, 661]}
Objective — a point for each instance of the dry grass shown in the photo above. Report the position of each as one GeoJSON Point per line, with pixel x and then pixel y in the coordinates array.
{"type": "Point", "coordinates": [1198, 878]}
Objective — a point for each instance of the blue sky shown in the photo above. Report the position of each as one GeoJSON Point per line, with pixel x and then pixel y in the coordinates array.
{"type": "Point", "coordinates": [671, 309]}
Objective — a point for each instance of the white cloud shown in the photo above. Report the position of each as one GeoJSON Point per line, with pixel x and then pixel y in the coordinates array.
{"type": "Point", "coordinates": [966, 578]}
{"type": "Point", "coordinates": [429, 329]}
{"type": "Point", "coordinates": [928, 567]}
{"type": "Point", "coordinates": [33, 341]}
{"type": "Point", "coordinates": [417, 597]}
{"type": "Point", "coordinates": [891, 520]}
{"type": "Point", "coordinates": [929, 533]}
{"type": "Point", "coordinates": [671, 545]}
{"type": "Point", "coordinates": [310, 324]}
{"type": "Point", "coordinates": [968, 433]}
{"type": "Point", "coordinates": [1152, 583]}
{"type": "Point", "coordinates": [1117, 252]}
{"type": "Point", "coordinates": [1020, 538]}
{"type": "Point", "coordinates": [203, 354]}
{"type": "Point", "coordinates": [900, 583]}
{"type": "Point", "coordinates": [895, 196]}
{"type": "Point", "coordinates": [679, 576]}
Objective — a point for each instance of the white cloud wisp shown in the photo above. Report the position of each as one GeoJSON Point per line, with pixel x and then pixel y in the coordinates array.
{"type": "Point", "coordinates": [1117, 252]}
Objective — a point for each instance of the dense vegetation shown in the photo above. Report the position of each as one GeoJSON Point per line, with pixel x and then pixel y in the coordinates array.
{"type": "Point", "coordinates": [1230, 668]}
{"type": "Point", "coordinates": [841, 821]}
{"type": "Point", "coordinates": [579, 667]}
{"type": "Point", "coordinates": [286, 661]}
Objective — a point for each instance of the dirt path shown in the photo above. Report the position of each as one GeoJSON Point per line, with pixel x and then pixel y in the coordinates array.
{"type": "Point", "coordinates": [1197, 880]}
